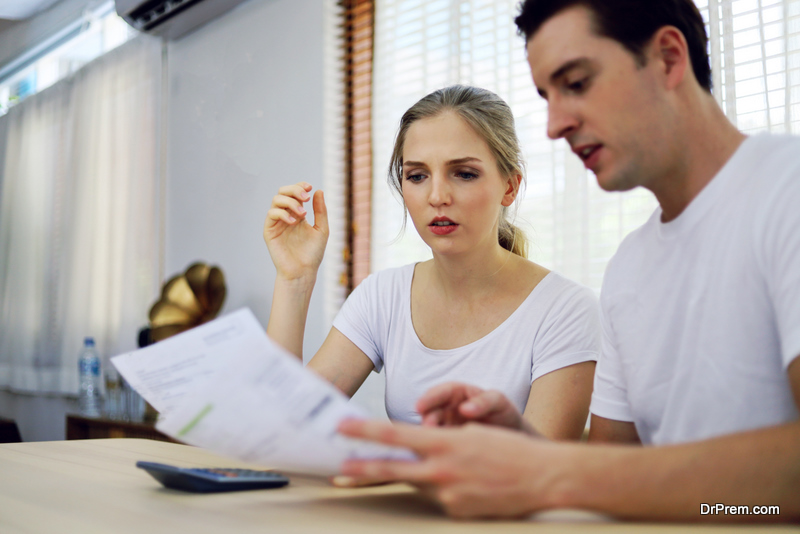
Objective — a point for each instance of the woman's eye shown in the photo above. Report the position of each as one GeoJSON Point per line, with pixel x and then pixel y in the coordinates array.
{"type": "Point", "coordinates": [415, 177]}
{"type": "Point", "coordinates": [466, 175]}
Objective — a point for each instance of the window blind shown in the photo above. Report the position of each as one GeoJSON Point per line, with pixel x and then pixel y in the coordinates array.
{"type": "Point", "coordinates": [358, 32]}
{"type": "Point", "coordinates": [755, 47]}
{"type": "Point", "coordinates": [334, 268]}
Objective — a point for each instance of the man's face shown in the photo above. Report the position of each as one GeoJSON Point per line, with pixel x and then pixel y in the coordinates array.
{"type": "Point", "coordinates": [608, 107]}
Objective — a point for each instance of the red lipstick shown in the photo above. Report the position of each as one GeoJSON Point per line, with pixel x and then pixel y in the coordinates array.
{"type": "Point", "coordinates": [442, 226]}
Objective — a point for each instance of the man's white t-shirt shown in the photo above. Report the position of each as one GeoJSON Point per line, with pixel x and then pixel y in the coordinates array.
{"type": "Point", "coordinates": [557, 325]}
{"type": "Point", "coordinates": [701, 315]}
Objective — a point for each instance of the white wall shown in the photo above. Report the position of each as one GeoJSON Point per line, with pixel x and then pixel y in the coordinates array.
{"type": "Point", "coordinates": [245, 117]}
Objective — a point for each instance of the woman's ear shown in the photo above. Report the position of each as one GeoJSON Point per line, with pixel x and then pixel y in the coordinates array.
{"type": "Point", "coordinates": [511, 191]}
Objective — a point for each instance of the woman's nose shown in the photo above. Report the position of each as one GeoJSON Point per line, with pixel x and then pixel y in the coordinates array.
{"type": "Point", "coordinates": [440, 193]}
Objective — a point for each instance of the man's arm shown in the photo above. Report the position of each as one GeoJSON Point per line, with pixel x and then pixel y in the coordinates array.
{"type": "Point", "coordinates": [480, 471]}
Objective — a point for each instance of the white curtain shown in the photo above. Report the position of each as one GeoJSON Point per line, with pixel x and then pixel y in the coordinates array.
{"type": "Point", "coordinates": [79, 217]}
{"type": "Point", "coordinates": [573, 226]}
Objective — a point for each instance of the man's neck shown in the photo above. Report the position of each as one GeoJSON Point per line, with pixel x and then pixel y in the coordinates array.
{"type": "Point", "coordinates": [707, 141]}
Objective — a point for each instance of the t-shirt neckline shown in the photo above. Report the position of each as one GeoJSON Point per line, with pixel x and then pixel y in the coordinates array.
{"type": "Point", "coordinates": [445, 352]}
{"type": "Point", "coordinates": [737, 164]}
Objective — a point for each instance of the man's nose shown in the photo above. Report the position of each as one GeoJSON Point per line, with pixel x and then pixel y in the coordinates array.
{"type": "Point", "coordinates": [560, 120]}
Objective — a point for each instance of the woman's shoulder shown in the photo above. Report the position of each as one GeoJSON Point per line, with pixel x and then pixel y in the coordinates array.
{"type": "Point", "coordinates": [556, 289]}
{"type": "Point", "coordinates": [565, 293]}
{"type": "Point", "coordinates": [391, 275]}
{"type": "Point", "coordinates": [387, 281]}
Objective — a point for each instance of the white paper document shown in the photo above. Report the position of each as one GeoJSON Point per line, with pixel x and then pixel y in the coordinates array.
{"type": "Point", "coordinates": [225, 386]}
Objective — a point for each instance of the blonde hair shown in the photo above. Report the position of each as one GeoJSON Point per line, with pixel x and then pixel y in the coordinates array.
{"type": "Point", "coordinates": [491, 118]}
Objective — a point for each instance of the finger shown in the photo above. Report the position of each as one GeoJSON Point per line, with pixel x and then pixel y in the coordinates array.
{"type": "Point", "coordinates": [277, 214]}
{"type": "Point", "coordinates": [418, 439]}
{"type": "Point", "coordinates": [289, 203]}
{"type": "Point", "coordinates": [320, 212]}
{"type": "Point", "coordinates": [343, 481]}
{"type": "Point", "coordinates": [299, 191]}
{"type": "Point", "coordinates": [432, 418]}
{"type": "Point", "coordinates": [484, 404]}
{"type": "Point", "coordinates": [394, 470]}
{"type": "Point", "coordinates": [441, 395]}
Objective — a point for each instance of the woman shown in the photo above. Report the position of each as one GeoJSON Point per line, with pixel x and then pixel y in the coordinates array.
{"type": "Point", "coordinates": [478, 312]}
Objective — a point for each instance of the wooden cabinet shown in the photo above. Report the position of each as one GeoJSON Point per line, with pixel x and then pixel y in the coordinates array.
{"type": "Point", "coordinates": [98, 428]}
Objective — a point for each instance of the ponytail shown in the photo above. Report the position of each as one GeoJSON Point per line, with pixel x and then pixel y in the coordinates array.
{"type": "Point", "coordinates": [512, 238]}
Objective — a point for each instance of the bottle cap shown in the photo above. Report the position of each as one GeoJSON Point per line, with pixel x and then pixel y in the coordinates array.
{"type": "Point", "coordinates": [88, 342]}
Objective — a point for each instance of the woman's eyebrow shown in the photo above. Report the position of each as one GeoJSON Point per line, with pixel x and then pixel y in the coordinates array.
{"type": "Point", "coordinates": [457, 161]}
{"type": "Point", "coordinates": [463, 160]}
{"type": "Point", "coordinates": [413, 164]}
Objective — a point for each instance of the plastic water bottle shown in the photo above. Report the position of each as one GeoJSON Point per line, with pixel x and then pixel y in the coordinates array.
{"type": "Point", "coordinates": [89, 374]}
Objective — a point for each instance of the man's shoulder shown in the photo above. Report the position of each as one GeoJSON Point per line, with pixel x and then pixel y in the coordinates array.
{"type": "Point", "coordinates": [775, 154]}
{"type": "Point", "coordinates": [633, 246]}
{"type": "Point", "coordinates": [774, 184]}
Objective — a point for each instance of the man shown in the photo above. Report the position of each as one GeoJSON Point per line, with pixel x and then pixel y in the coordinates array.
{"type": "Point", "coordinates": [701, 306]}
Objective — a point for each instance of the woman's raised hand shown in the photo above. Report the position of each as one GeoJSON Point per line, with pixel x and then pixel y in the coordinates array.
{"type": "Point", "coordinates": [295, 246]}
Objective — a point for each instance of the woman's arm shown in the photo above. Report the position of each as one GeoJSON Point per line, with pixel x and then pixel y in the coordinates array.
{"type": "Point", "coordinates": [558, 404]}
{"type": "Point", "coordinates": [342, 363]}
{"type": "Point", "coordinates": [296, 249]}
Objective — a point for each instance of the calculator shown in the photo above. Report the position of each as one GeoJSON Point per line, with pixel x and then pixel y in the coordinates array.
{"type": "Point", "coordinates": [213, 479]}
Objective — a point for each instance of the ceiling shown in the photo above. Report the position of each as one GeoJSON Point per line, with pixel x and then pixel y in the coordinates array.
{"type": "Point", "coordinates": [21, 9]}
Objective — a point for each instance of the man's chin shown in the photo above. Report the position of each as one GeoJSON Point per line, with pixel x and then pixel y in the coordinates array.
{"type": "Point", "coordinates": [612, 183]}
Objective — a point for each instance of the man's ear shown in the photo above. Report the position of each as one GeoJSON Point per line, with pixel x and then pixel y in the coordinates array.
{"type": "Point", "coordinates": [514, 182]}
{"type": "Point", "coordinates": [669, 48]}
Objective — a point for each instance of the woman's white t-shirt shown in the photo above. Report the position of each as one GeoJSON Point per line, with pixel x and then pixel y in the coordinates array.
{"type": "Point", "coordinates": [557, 325]}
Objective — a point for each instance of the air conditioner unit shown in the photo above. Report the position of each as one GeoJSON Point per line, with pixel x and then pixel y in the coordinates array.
{"type": "Point", "coordinates": [171, 18]}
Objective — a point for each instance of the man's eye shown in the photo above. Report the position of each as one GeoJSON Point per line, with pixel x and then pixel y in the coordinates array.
{"type": "Point", "coordinates": [578, 86]}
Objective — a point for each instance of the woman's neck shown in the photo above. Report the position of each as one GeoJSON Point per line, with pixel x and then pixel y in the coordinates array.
{"type": "Point", "coordinates": [473, 273]}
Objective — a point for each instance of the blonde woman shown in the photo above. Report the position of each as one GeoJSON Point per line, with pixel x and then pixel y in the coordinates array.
{"type": "Point", "coordinates": [478, 312]}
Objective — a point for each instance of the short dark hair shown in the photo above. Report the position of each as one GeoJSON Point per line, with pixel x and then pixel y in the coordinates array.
{"type": "Point", "coordinates": [632, 23]}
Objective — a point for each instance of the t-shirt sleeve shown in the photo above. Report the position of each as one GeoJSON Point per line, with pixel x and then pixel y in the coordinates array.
{"type": "Point", "coordinates": [610, 394]}
{"type": "Point", "coordinates": [780, 241]}
{"type": "Point", "coordinates": [571, 334]}
{"type": "Point", "coordinates": [359, 320]}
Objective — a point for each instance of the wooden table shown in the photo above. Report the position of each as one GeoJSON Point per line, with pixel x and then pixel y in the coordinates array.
{"type": "Point", "coordinates": [93, 486]}
{"type": "Point", "coordinates": [79, 427]}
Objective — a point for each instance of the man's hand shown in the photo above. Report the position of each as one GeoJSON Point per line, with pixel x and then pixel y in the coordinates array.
{"type": "Point", "coordinates": [471, 471]}
{"type": "Point", "coordinates": [455, 404]}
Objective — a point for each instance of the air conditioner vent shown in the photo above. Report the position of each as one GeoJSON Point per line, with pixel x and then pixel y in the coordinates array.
{"type": "Point", "coordinates": [171, 18]}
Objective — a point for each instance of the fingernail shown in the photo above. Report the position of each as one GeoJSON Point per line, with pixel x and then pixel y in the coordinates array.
{"type": "Point", "coordinates": [306, 197]}
{"type": "Point", "coordinates": [292, 219]}
{"type": "Point", "coordinates": [344, 481]}
{"type": "Point", "coordinates": [301, 210]}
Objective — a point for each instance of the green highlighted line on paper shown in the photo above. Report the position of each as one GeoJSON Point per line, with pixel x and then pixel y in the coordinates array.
{"type": "Point", "coordinates": [188, 428]}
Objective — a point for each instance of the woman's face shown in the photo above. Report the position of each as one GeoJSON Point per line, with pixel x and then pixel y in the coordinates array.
{"type": "Point", "coordinates": [451, 185]}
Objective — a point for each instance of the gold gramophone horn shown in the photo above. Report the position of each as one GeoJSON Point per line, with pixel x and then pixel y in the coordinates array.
{"type": "Point", "coordinates": [187, 300]}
